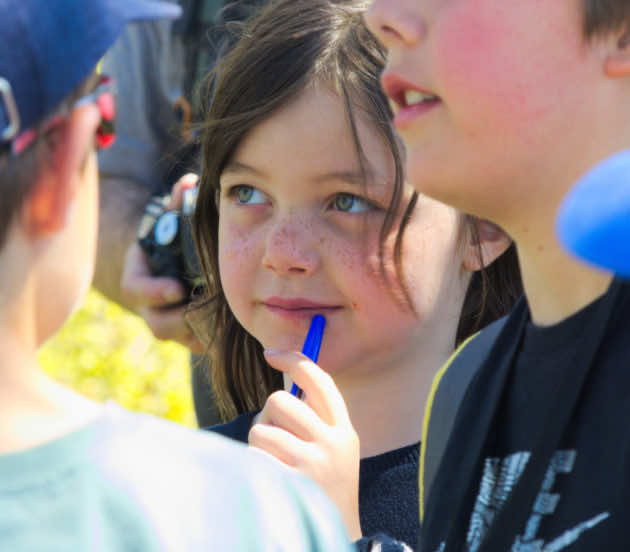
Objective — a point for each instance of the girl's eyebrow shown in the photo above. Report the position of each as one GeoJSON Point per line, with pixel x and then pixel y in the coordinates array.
{"type": "Point", "coordinates": [353, 177]}
{"type": "Point", "coordinates": [237, 167]}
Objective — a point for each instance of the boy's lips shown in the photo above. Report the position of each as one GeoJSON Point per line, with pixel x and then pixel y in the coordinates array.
{"type": "Point", "coordinates": [409, 101]}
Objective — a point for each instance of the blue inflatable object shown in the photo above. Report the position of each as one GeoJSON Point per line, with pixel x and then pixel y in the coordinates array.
{"type": "Point", "coordinates": [593, 221]}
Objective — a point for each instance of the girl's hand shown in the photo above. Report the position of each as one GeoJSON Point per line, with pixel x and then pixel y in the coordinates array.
{"type": "Point", "coordinates": [314, 436]}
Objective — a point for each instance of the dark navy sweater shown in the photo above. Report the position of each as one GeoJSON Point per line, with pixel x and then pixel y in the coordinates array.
{"type": "Point", "coordinates": [388, 491]}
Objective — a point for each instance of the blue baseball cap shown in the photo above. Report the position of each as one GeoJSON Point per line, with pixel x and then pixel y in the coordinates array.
{"type": "Point", "coordinates": [50, 46]}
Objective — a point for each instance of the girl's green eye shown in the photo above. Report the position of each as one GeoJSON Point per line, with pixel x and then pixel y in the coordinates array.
{"type": "Point", "coordinates": [349, 203]}
{"type": "Point", "coordinates": [246, 195]}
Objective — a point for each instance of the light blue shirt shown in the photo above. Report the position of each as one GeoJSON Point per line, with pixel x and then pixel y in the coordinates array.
{"type": "Point", "coordinates": [131, 482]}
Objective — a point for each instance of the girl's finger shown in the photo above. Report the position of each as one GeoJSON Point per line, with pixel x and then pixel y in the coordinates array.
{"type": "Point", "coordinates": [287, 412]}
{"type": "Point", "coordinates": [321, 392]}
{"type": "Point", "coordinates": [281, 444]}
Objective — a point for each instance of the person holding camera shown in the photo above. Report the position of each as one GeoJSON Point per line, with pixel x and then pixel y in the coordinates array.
{"type": "Point", "coordinates": [158, 66]}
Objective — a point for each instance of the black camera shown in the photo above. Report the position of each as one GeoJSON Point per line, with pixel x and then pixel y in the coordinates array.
{"type": "Point", "coordinates": [166, 238]}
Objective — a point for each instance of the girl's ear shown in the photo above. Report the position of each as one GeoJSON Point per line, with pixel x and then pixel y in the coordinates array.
{"type": "Point", "coordinates": [617, 60]}
{"type": "Point", "coordinates": [485, 242]}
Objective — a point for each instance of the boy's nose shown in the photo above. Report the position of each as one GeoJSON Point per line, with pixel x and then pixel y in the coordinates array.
{"type": "Point", "coordinates": [290, 248]}
{"type": "Point", "coordinates": [395, 25]}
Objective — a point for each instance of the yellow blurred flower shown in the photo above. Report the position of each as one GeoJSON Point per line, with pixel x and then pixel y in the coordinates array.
{"type": "Point", "coordinates": [105, 352]}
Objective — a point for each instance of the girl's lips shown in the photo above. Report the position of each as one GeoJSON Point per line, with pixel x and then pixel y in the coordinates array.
{"type": "Point", "coordinates": [298, 308]}
{"type": "Point", "coordinates": [301, 314]}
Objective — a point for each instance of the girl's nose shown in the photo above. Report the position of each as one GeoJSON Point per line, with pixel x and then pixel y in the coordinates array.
{"type": "Point", "coordinates": [394, 24]}
{"type": "Point", "coordinates": [290, 248]}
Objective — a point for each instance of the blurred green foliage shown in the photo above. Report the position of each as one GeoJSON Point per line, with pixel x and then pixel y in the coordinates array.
{"type": "Point", "coordinates": [105, 352]}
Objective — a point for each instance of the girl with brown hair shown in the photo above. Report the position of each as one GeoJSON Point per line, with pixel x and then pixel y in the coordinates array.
{"type": "Point", "coordinates": [303, 209]}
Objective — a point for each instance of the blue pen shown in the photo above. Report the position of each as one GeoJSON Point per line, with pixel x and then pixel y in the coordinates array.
{"type": "Point", "coordinates": [311, 345]}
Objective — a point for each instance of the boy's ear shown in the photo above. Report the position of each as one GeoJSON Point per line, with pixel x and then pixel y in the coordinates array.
{"type": "Point", "coordinates": [485, 242]}
{"type": "Point", "coordinates": [617, 62]}
{"type": "Point", "coordinates": [57, 178]}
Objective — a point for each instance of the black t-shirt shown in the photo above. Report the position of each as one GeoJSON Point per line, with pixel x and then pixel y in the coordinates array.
{"type": "Point", "coordinates": [581, 499]}
{"type": "Point", "coordinates": [543, 358]}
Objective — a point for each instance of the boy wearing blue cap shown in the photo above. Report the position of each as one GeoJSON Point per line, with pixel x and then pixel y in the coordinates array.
{"type": "Point", "coordinates": [75, 475]}
{"type": "Point", "coordinates": [502, 106]}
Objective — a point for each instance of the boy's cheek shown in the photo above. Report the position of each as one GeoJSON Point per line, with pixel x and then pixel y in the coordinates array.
{"type": "Point", "coordinates": [498, 61]}
{"type": "Point", "coordinates": [479, 82]}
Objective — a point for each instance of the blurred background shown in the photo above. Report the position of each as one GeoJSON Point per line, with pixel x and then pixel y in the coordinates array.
{"type": "Point", "coordinates": [105, 352]}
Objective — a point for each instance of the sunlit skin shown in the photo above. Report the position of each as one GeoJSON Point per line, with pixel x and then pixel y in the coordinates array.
{"type": "Point", "coordinates": [519, 88]}
{"type": "Point", "coordinates": [69, 278]}
{"type": "Point", "coordinates": [526, 104]}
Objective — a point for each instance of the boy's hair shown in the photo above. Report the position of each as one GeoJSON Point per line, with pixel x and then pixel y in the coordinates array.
{"type": "Point", "coordinates": [288, 45]}
{"type": "Point", "coordinates": [604, 16]}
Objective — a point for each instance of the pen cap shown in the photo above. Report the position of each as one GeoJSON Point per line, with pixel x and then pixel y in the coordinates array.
{"type": "Point", "coordinates": [311, 345]}
{"type": "Point", "coordinates": [313, 339]}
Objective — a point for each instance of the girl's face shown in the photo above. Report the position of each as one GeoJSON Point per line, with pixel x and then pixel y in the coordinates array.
{"type": "Point", "coordinates": [299, 234]}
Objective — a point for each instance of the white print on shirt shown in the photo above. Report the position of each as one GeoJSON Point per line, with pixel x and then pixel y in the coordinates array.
{"type": "Point", "coordinates": [378, 547]}
{"type": "Point", "coordinates": [499, 478]}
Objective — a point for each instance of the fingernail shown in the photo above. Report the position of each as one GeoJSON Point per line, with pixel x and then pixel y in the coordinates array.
{"type": "Point", "coordinates": [271, 352]}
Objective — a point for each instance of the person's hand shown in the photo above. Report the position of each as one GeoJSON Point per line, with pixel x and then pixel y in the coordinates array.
{"type": "Point", "coordinates": [158, 300]}
{"type": "Point", "coordinates": [314, 436]}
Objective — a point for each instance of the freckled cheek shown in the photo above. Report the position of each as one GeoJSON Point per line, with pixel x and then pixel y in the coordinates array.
{"type": "Point", "coordinates": [343, 256]}
{"type": "Point", "coordinates": [346, 258]}
{"type": "Point", "coordinates": [237, 254]}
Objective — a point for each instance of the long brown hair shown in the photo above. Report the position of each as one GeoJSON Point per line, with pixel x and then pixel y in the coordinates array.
{"type": "Point", "coordinates": [288, 45]}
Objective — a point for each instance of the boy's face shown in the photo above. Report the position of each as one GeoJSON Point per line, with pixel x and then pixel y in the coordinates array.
{"type": "Point", "coordinates": [513, 91]}
{"type": "Point", "coordinates": [85, 223]}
